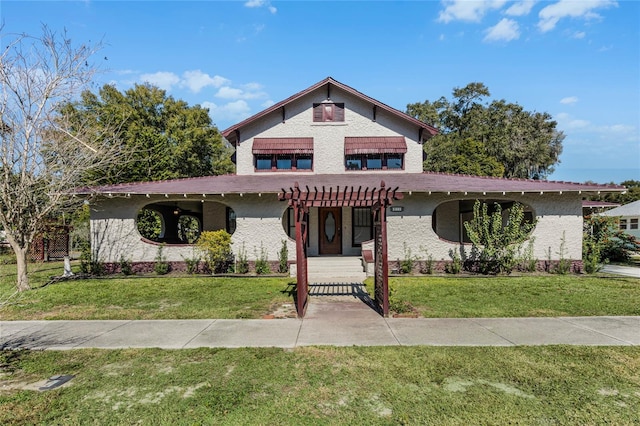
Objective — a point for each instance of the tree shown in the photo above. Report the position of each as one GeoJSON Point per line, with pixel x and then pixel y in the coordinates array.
{"type": "Point", "coordinates": [168, 139]}
{"type": "Point", "coordinates": [524, 144]}
{"type": "Point", "coordinates": [43, 157]}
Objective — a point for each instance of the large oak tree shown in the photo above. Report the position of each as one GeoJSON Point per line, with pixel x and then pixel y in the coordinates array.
{"type": "Point", "coordinates": [166, 137]}
{"type": "Point", "coordinates": [499, 138]}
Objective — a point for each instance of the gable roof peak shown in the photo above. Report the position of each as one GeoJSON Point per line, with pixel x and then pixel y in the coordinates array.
{"type": "Point", "coordinates": [230, 133]}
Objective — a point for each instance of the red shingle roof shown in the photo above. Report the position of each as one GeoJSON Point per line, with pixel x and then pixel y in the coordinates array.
{"type": "Point", "coordinates": [416, 182]}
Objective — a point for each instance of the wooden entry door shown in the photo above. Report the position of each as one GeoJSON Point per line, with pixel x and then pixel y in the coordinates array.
{"type": "Point", "coordinates": [330, 232]}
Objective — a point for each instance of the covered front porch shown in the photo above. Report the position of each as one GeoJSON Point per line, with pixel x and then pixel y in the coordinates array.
{"type": "Point", "coordinates": [330, 202]}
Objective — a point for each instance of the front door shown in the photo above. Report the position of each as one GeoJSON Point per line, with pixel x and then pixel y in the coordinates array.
{"type": "Point", "coordinates": [330, 230]}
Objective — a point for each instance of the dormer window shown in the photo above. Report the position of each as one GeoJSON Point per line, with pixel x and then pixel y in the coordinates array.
{"type": "Point", "coordinates": [327, 112]}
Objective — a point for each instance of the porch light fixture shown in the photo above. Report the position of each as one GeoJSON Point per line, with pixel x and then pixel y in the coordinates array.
{"type": "Point", "coordinates": [177, 210]}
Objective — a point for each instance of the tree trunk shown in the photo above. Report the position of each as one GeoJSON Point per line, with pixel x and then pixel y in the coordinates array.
{"type": "Point", "coordinates": [21, 261]}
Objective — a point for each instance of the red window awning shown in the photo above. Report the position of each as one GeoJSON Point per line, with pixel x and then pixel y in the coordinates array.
{"type": "Point", "coordinates": [283, 145]}
{"type": "Point", "coordinates": [375, 145]}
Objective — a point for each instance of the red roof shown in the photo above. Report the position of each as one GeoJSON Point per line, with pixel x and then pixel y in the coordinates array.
{"type": "Point", "coordinates": [229, 133]}
{"type": "Point", "coordinates": [375, 145]}
{"type": "Point", "coordinates": [283, 145]}
{"type": "Point", "coordinates": [416, 182]}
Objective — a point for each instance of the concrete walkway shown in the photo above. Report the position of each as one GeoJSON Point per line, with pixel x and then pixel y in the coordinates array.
{"type": "Point", "coordinates": [627, 271]}
{"type": "Point", "coordinates": [343, 323]}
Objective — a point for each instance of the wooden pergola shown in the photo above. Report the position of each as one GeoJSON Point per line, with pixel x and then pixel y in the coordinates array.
{"type": "Point", "coordinates": [378, 199]}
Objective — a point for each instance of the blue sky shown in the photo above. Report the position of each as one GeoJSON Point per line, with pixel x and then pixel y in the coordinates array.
{"type": "Point", "coordinates": [578, 60]}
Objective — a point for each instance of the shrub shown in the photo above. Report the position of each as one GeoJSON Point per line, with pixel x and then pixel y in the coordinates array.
{"type": "Point", "coordinates": [192, 262]}
{"type": "Point", "coordinates": [125, 266]}
{"type": "Point", "coordinates": [563, 267]}
{"type": "Point", "coordinates": [283, 255]}
{"type": "Point", "coordinates": [262, 264]}
{"type": "Point", "coordinates": [601, 233]}
{"type": "Point", "coordinates": [527, 261]}
{"type": "Point", "coordinates": [88, 262]}
{"type": "Point", "coordinates": [161, 266]}
{"type": "Point", "coordinates": [496, 242]}
{"type": "Point", "coordinates": [216, 247]}
{"type": "Point", "coordinates": [242, 267]}
{"type": "Point", "coordinates": [428, 263]}
{"type": "Point", "coordinates": [407, 263]}
{"type": "Point", "coordinates": [455, 266]}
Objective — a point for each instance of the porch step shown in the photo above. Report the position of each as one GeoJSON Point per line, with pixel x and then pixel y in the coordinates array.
{"type": "Point", "coordinates": [333, 269]}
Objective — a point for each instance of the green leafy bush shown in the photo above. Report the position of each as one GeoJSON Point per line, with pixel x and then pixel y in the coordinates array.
{"type": "Point", "coordinates": [216, 247]}
{"type": "Point", "coordinates": [495, 240]}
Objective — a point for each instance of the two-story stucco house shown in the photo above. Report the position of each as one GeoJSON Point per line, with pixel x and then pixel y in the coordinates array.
{"type": "Point", "coordinates": [332, 138]}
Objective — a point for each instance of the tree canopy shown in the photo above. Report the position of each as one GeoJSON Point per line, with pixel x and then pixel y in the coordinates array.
{"type": "Point", "coordinates": [166, 137]}
{"type": "Point", "coordinates": [499, 138]}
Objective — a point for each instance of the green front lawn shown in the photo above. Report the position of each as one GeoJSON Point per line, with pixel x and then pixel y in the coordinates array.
{"type": "Point", "coordinates": [549, 385]}
{"type": "Point", "coordinates": [200, 296]}
{"type": "Point", "coordinates": [525, 296]}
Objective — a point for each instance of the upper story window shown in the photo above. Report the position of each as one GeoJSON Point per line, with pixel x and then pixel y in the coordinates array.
{"type": "Point", "coordinates": [374, 152]}
{"type": "Point", "coordinates": [623, 223]}
{"type": "Point", "coordinates": [276, 154]}
{"type": "Point", "coordinates": [265, 162]}
{"type": "Point", "coordinates": [328, 112]}
{"type": "Point", "coordinates": [374, 161]}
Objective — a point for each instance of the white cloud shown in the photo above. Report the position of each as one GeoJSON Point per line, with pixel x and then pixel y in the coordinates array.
{"type": "Point", "coordinates": [567, 122]}
{"type": "Point", "coordinates": [552, 14]}
{"type": "Point", "coordinates": [196, 80]}
{"type": "Point", "coordinates": [505, 30]}
{"type": "Point", "coordinates": [521, 8]}
{"type": "Point", "coordinates": [465, 10]}
{"type": "Point", "coordinates": [579, 35]}
{"type": "Point", "coordinates": [249, 91]}
{"type": "Point", "coordinates": [267, 103]}
{"type": "Point", "coordinates": [261, 3]}
{"type": "Point", "coordinates": [569, 100]}
{"type": "Point", "coordinates": [162, 79]}
{"type": "Point", "coordinates": [229, 93]}
{"type": "Point", "coordinates": [232, 112]}
{"type": "Point", "coordinates": [621, 134]}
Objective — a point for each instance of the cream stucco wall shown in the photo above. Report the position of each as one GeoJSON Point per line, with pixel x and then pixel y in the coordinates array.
{"type": "Point", "coordinates": [259, 226]}
{"type": "Point", "coordinates": [328, 156]}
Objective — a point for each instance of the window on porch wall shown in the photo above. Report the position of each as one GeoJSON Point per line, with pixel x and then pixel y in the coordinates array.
{"type": "Point", "coordinates": [362, 225]}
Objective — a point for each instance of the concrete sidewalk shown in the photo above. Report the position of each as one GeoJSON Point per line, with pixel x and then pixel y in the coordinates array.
{"type": "Point", "coordinates": [326, 323]}
{"type": "Point", "coordinates": [627, 271]}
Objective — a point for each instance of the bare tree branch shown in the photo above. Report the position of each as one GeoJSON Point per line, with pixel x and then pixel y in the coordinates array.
{"type": "Point", "coordinates": [44, 156]}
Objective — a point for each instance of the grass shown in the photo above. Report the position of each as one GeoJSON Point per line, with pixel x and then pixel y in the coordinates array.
{"type": "Point", "coordinates": [168, 297]}
{"type": "Point", "coordinates": [318, 385]}
{"type": "Point", "coordinates": [199, 296]}
{"type": "Point", "coordinates": [535, 295]}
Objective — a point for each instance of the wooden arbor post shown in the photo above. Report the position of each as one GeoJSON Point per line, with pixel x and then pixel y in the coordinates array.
{"type": "Point", "coordinates": [377, 198]}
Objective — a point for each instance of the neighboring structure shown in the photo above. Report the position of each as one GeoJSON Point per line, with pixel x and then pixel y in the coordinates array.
{"type": "Point", "coordinates": [331, 139]}
{"type": "Point", "coordinates": [590, 207]}
{"type": "Point", "coordinates": [628, 217]}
